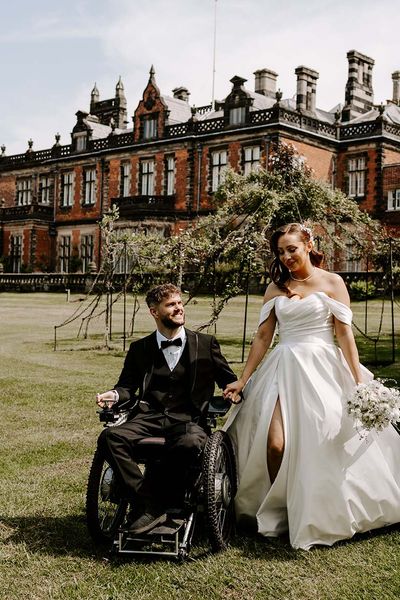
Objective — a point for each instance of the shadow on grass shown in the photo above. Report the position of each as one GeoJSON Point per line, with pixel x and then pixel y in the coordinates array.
{"type": "Point", "coordinates": [68, 535]}
{"type": "Point", "coordinates": [54, 536]}
{"type": "Point", "coordinates": [254, 545]}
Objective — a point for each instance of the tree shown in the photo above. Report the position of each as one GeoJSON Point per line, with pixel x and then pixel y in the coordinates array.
{"type": "Point", "coordinates": [250, 207]}
{"type": "Point", "coordinates": [231, 244]}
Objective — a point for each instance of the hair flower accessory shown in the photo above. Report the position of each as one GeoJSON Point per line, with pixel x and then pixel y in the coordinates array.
{"type": "Point", "coordinates": [308, 231]}
{"type": "Point", "coordinates": [373, 406]}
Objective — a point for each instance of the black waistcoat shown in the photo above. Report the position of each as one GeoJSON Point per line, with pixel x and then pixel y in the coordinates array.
{"type": "Point", "coordinates": [170, 389]}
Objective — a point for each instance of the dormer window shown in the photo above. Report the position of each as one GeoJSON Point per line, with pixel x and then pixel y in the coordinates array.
{"type": "Point", "coordinates": [237, 116]}
{"type": "Point", "coordinates": [80, 141]}
{"type": "Point", "coordinates": [237, 103]}
{"type": "Point", "coordinates": [149, 128]}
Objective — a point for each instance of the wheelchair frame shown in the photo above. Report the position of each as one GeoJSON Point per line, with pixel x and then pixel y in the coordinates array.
{"type": "Point", "coordinates": [213, 495]}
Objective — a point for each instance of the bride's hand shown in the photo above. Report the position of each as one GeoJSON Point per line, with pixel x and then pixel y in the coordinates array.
{"type": "Point", "coordinates": [233, 391]}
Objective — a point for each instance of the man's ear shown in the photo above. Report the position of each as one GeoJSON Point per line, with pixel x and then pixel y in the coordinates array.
{"type": "Point", "coordinates": [153, 312]}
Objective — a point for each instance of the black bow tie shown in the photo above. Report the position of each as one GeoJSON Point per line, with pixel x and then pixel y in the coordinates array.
{"type": "Point", "coordinates": [166, 343]}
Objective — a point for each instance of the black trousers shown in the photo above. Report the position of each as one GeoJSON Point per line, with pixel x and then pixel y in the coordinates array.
{"type": "Point", "coordinates": [168, 478]}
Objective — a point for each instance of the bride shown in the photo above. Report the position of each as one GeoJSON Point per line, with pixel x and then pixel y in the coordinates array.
{"type": "Point", "coordinates": [302, 465]}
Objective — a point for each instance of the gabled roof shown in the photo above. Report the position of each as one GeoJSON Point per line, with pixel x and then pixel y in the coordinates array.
{"type": "Point", "coordinates": [179, 110]}
{"type": "Point", "coordinates": [391, 113]}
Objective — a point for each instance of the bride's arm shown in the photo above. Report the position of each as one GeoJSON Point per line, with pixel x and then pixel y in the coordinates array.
{"type": "Point", "coordinates": [344, 333]}
{"type": "Point", "coordinates": [346, 341]}
{"type": "Point", "coordinates": [259, 347]}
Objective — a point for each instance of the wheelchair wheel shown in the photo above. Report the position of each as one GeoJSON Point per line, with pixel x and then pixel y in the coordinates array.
{"type": "Point", "coordinates": [220, 486]}
{"type": "Point", "coordinates": [105, 509]}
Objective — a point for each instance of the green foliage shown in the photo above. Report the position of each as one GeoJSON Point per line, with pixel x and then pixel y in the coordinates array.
{"type": "Point", "coordinates": [248, 209]}
{"type": "Point", "coordinates": [287, 192]}
{"type": "Point", "coordinates": [381, 253]}
{"type": "Point", "coordinates": [358, 290]}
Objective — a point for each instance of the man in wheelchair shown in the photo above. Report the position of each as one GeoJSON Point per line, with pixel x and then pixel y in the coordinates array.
{"type": "Point", "coordinates": [172, 372]}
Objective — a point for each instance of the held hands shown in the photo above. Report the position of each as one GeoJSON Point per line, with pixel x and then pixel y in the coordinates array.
{"type": "Point", "coordinates": [232, 391]}
{"type": "Point", "coordinates": [106, 400]}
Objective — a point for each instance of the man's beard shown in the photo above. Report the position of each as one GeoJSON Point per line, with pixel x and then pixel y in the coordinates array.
{"type": "Point", "coordinates": [170, 324]}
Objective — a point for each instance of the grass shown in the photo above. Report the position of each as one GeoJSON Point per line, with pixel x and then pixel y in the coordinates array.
{"type": "Point", "coordinates": [49, 432]}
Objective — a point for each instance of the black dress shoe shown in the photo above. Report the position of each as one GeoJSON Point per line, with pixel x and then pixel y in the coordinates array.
{"type": "Point", "coordinates": [147, 521]}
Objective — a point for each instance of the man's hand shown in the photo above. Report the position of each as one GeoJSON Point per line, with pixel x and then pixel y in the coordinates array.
{"type": "Point", "coordinates": [106, 400]}
{"type": "Point", "coordinates": [232, 391]}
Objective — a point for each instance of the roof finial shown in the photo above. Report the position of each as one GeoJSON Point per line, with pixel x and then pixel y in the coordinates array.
{"type": "Point", "coordinates": [119, 91]}
{"type": "Point", "coordinates": [95, 93]}
{"type": "Point", "coordinates": [120, 85]}
{"type": "Point", "coordinates": [152, 73]}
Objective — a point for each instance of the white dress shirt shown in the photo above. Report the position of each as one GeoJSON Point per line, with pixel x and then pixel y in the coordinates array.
{"type": "Point", "coordinates": [172, 353]}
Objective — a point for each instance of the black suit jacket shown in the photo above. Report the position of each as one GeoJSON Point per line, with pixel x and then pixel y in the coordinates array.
{"type": "Point", "coordinates": [207, 367]}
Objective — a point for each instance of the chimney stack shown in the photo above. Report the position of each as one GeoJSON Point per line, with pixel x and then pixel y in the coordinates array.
{"type": "Point", "coordinates": [359, 97]}
{"type": "Point", "coordinates": [306, 89]}
{"type": "Point", "coordinates": [181, 93]}
{"type": "Point", "coordinates": [396, 87]}
{"type": "Point", "coordinates": [265, 82]}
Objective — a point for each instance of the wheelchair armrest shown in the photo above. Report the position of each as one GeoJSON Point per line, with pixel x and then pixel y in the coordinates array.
{"type": "Point", "coordinates": [218, 406]}
{"type": "Point", "coordinates": [113, 413]}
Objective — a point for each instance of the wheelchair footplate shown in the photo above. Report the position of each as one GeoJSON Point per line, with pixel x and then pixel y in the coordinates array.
{"type": "Point", "coordinates": [171, 538]}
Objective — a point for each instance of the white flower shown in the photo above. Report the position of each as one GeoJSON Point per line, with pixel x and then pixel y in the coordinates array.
{"type": "Point", "coordinates": [373, 405]}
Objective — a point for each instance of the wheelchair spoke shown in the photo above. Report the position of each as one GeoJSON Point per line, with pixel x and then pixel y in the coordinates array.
{"type": "Point", "coordinates": [105, 509]}
{"type": "Point", "coordinates": [220, 488]}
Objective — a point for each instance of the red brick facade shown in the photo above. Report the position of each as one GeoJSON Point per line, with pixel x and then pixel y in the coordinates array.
{"type": "Point", "coordinates": [164, 171]}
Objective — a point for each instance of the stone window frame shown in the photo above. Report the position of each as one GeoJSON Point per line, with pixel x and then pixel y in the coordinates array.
{"type": "Point", "coordinates": [89, 180]}
{"type": "Point", "coordinates": [169, 174]}
{"type": "Point", "coordinates": [356, 175]}
{"type": "Point", "coordinates": [251, 164]}
{"type": "Point", "coordinates": [352, 264]}
{"type": "Point", "coordinates": [125, 174]}
{"type": "Point", "coordinates": [149, 126]}
{"type": "Point", "coordinates": [67, 185]}
{"type": "Point", "coordinates": [80, 140]}
{"type": "Point", "coordinates": [16, 252]}
{"type": "Point", "coordinates": [45, 195]}
{"type": "Point", "coordinates": [218, 168]}
{"type": "Point", "coordinates": [64, 252]}
{"type": "Point", "coordinates": [238, 115]}
{"type": "Point", "coordinates": [86, 250]}
{"type": "Point", "coordinates": [393, 200]}
{"type": "Point", "coordinates": [24, 191]}
{"type": "Point", "coordinates": [147, 176]}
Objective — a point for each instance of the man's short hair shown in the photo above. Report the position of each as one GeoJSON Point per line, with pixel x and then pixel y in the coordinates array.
{"type": "Point", "coordinates": [159, 292]}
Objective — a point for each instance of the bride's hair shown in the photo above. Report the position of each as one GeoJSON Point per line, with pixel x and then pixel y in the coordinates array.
{"type": "Point", "coordinates": [277, 270]}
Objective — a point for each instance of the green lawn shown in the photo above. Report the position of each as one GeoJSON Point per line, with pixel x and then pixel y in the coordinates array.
{"type": "Point", "coordinates": [49, 431]}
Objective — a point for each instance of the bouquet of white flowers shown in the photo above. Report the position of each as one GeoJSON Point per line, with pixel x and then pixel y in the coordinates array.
{"type": "Point", "coordinates": [373, 405]}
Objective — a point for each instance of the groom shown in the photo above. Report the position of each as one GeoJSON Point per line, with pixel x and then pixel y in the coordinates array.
{"type": "Point", "coordinates": [173, 371]}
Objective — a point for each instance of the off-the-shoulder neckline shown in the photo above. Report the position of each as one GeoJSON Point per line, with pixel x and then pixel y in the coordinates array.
{"type": "Point", "coordinates": [306, 297]}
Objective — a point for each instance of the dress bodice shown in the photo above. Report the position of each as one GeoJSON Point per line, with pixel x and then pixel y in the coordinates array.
{"type": "Point", "coordinates": [309, 320]}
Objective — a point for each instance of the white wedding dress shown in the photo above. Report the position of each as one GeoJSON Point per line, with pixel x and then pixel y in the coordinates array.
{"type": "Point", "coordinates": [331, 484]}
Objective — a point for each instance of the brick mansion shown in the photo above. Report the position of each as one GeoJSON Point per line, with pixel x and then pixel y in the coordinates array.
{"type": "Point", "coordinates": [163, 169]}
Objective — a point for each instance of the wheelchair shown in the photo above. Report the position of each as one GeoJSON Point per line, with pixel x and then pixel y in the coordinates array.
{"type": "Point", "coordinates": [211, 496]}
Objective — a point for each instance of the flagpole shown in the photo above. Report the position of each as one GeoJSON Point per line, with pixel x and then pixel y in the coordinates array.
{"type": "Point", "coordinates": [214, 53]}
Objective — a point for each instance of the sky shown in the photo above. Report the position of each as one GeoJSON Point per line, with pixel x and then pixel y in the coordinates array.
{"type": "Point", "coordinates": [53, 51]}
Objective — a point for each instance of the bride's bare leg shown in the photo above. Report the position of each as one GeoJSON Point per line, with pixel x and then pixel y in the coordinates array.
{"type": "Point", "coordinates": [275, 442]}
